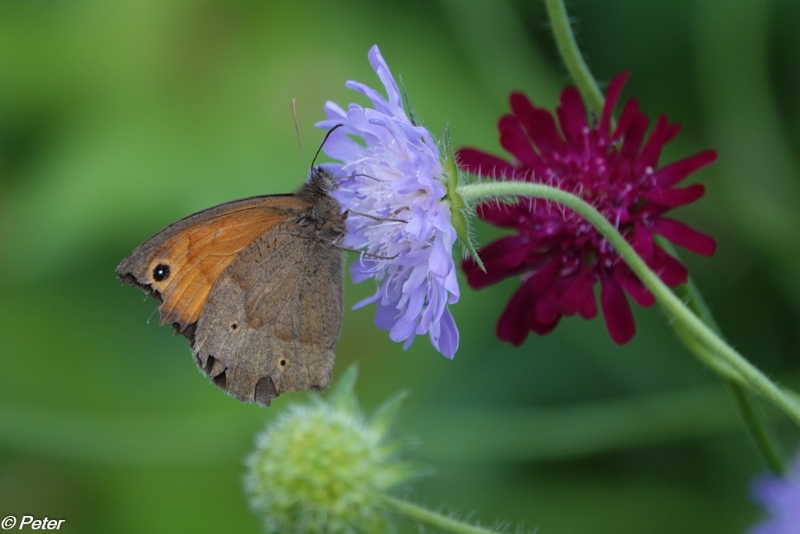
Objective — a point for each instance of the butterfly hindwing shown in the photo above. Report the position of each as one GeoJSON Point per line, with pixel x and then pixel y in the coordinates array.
{"type": "Point", "coordinates": [272, 320]}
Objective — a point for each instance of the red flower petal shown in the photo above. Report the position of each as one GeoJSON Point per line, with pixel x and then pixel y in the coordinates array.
{"type": "Point", "coordinates": [502, 258]}
{"type": "Point", "coordinates": [673, 198]}
{"type": "Point", "coordinates": [634, 137]}
{"type": "Point", "coordinates": [685, 236]}
{"type": "Point", "coordinates": [613, 93]}
{"type": "Point", "coordinates": [546, 275]}
{"type": "Point", "coordinates": [669, 269]}
{"type": "Point", "coordinates": [643, 244]}
{"type": "Point", "coordinates": [652, 149]}
{"type": "Point", "coordinates": [478, 162]}
{"type": "Point", "coordinates": [514, 140]}
{"type": "Point", "coordinates": [617, 311]}
{"type": "Point", "coordinates": [589, 307]}
{"type": "Point", "coordinates": [541, 328]}
{"type": "Point", "coordinates": [574, 298]}
{"type": "Point", "coordinates": [538, 124]}
{"type": "Point", "coordinates": [629, 114]}
{"type": "Point", "coordinates": [675, 172]}
{"type": "Point", "coordinates": [633, 286]}
{"type": "Point", "coordinates": [546, 311]}
{"type": "Point", "coordinates": [513, 323]}
{"type": "Point", "coordinates": [572, 116]}
{"type": "Point", "coordinates": [505, 215]}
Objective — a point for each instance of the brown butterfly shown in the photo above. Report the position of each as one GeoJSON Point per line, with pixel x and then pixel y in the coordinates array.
{"type": "Point", "coordinates": [255, 285]}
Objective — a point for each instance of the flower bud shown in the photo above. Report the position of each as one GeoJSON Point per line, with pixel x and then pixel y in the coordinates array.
{"type": "Point", "coordinates": [323, 467]}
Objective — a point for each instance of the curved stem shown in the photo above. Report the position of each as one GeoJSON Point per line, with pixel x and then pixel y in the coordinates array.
{"type": "Point", "coordinates": [759, 429]}
{"type": "Point", "coordinates": [753, 378]}
{"type": "Point", "coordinates": [418, 513]}
{"type": "Point", "coordinates": [755, 421]}
{"type": "Point", "coordinates": [572, 57]}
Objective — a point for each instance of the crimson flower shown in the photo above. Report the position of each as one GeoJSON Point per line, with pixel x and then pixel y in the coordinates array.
{"type": "Point", "coordinates": [559, 255]}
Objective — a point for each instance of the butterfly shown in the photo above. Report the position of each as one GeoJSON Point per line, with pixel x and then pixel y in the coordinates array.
{"type": "Point", "coordinates": [255, 285]}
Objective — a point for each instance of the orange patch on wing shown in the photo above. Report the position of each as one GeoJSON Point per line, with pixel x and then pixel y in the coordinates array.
{"type": "Point", "coordinates": [197, 255]}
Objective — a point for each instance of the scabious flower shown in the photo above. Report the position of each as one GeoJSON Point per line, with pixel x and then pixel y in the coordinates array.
{"type": "Point", "coordinates": [780, 497]}
{"type": "Point", "coordinates": [557, 253]}
{"type": "Point", "coordinates": [393, 187]}
{"type": "Point", "coordinates": [323, 467]}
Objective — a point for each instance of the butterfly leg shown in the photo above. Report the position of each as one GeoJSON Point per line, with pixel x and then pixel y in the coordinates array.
{"type": "Point", "coordinates": [373, 217]}
{"type": "Point", "coordinates": [341, 236]}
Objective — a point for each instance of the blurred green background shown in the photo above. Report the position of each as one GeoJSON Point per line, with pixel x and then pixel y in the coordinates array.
{"type": "Point", "coordinates": [117, 118]}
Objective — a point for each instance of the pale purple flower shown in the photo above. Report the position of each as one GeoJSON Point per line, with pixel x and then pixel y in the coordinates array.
{"type": "Point", "coordinates": [780, 497]}
{"type": "Point", "coordinates": [395, 177]}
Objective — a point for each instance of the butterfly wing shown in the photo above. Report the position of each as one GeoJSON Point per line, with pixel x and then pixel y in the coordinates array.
{"type": "Point", "coordinates": [258, 295]}
{"type": "Point", "coordinates": [180, 264]}
{"type": "Point", "coordinates": [273, 318]}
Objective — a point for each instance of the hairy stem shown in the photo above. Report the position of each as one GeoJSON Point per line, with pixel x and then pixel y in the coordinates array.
{"type": "Point", "coordinates": [422, 515]}
{"type": "Point", "coordinates": [756, 423]}
{"type": "Point", "coordinates": [754, 379]}
{"type": "Point", "coordinates": [571, 55]}
{"type": "Point", "coordinates": [754, 419]}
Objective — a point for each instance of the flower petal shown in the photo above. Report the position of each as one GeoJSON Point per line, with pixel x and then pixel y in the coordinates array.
{"type": "Point", "coordinates": [673, 198]}
{"type": "Point", "coordinates": [652, 149]}
{"type": "Point", "coordinates": [513, 323]}
{"type": "Point", "coordinates": [514, 140]}
{"type": "Point", "coordinates": [613, 93]}
{"type": "Point", "coordinates": [504, 215]}
{"type": "Point", "coordinates": [633, 286]}
{"type": "Point", "coordinates": [626, 119]}
{"type": "Point", "coordinates": [634, 137]}
{"type": "Point", "coordinates": [546, 312]}
{"type": "Point", "coordinates": [580, 290]}
{"type": "Point", "coordinates": [675, 172]}
{"type": "Point", "coordinates": [447, 343]}
{"type": "Point", "coordinates": [668, 268]}
{"type": "Point", "coordinates": [483, 164]}
{"type": "Point", "coordinates": [572, 116]}
{"type": "Point", "coordinates": [617, 311]}
{"type": "Point", "coordinates": [685, 236]}
{"type": "Point", "coordinates": [538, 124]}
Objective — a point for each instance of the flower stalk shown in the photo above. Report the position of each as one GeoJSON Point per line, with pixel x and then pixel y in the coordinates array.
{"type": "Point", "coordinates": [433, 519]}
{"type": "Point", "coordinates": [571, 55]}
{"type": "Point", "coordinates": [755, 421]}
{"type": "Point", "coordinates": [754, 379]}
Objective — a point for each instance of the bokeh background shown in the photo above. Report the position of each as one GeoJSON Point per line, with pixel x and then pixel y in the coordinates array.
{"type": "Point", "coordinates": [117, 118]}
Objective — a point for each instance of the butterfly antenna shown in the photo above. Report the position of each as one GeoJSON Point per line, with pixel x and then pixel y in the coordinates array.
{"type": "Point", "coordinates": [327, 135]}
{"type": "Point", "coordinates": [300, 141]}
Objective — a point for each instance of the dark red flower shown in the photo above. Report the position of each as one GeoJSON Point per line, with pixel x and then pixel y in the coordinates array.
{"type": "Point", "coordinates": [557, 253]}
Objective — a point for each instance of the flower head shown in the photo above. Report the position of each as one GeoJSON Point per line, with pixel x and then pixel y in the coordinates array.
{"type": "Point", "coordinates": [324, 468]}
{"type": "Point", "coordinates": [557, 253]}
{"type": "Point", "coordinates": [781, 499]}
{"type": "Point", "coordinates": [392, 186]}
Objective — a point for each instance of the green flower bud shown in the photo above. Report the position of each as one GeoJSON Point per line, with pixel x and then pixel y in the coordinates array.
{"type": "Point", "coordinates": [323, 467]}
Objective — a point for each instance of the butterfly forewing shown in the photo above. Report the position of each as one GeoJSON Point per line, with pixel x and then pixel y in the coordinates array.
{"type": "Point", "coordinates": [180, 264]}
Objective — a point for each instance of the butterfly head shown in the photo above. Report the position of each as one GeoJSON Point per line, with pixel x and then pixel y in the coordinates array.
{"type": "Point", "coordinates": [322, 180]}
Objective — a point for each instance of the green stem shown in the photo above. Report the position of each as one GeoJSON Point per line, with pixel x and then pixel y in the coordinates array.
{"type": "Point", "coordinates": [753, 418]}
{"type": "Point", "coordinates": [572, 57]}
{"type": "Point", "coordinates": [433, 519]}
{"type": "Point", "coordinates": [752, 377]}
{"type": "Point", "coordinates": [759, 429]}
{"type": "Point", "coordinates": [756, 424]}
